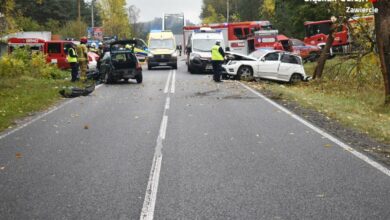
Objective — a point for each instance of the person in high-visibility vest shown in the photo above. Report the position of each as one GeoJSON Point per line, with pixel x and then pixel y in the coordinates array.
{"type": "Point", "coordinates": [82, 53]}
{"type": "Point", "coordinates": [72, 60]}
{"type": "Point", "coordinates": [217, 58]}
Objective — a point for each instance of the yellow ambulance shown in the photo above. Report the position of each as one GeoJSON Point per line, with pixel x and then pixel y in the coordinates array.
{"type": "Point", "coordinates": [162, 49]}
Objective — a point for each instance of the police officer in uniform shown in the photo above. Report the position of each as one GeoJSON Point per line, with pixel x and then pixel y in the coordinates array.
{"type": "Point", "coordinates": [217, 58]}
{"type": "Point", "coordinates": [72, 60]}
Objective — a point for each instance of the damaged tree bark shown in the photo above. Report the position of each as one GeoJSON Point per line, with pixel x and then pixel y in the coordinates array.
{"type": "Point", "coordinates": [382, 30]}
{"type": "Point", "coordinates": [324, 54]}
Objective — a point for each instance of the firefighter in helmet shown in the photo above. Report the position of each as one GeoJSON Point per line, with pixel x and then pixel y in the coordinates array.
{"type": "Point", "coordinates": [82, 53]}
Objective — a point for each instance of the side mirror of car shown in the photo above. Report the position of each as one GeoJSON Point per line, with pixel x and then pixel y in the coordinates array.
{"type": "Point", "coordinates": [227, 49]}
{"type": "Point", "coordinates": [262, 59]}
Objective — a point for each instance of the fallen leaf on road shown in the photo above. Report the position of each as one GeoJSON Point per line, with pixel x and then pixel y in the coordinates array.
{"type": "Point", "coordinates": [2, 168]}
{"type": "Point", "coordinates": [136, 117]}
{"type": "Point", "coordinates": [18, 155]}
{"type": "Point", "coordinates": [74, 115]}
{"type": "Point", "coordinates": [206, 134]}
{"type": "Point", "coordinates": [320, 195]}
{"type": "Point", "coordinates": [86, 127]}
{"type": "Point", "coordinates": [328, 145]}
{"type": "Point", "coordinates": [291, 133]}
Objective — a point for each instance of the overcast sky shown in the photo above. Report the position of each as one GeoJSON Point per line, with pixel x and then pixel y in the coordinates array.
{"type": "Point", "coordinates": [155, 8]}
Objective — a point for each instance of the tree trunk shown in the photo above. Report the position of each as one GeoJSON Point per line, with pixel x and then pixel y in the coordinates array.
{"type": "Point", "coordinates": [382, 29]}
{"type": "Point", "coordinates": [324, 54]}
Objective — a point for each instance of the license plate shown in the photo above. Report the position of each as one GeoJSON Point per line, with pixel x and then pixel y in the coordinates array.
{"type": "Point", "coordinates": [162, 64]}
{"type": "Point", "coordinates": [209, 67]}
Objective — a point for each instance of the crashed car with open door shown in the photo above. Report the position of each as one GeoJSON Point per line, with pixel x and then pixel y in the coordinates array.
{"type": "Point", "coordinates": [120, 62]}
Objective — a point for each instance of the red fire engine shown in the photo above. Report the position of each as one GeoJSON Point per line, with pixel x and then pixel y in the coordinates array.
{"type": "Point", "coordinates": [235, 34]}
{"type": "Point", "coordinates": [54, 50]}
{"type": "Point", "coordinates": [317, 32]}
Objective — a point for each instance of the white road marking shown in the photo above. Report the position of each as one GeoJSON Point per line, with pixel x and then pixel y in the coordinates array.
{"type": "Point", "coordinates": [173, 82]}
{"type": "Point", "coordinates": [323, 133]}
{"type": "Point", "coordinates": [166, 89]}
{"type": "Point", "coordinates": [163, 127]}
{"type": "Point", "coordinates": [167, 103]}
{"type": "Point", "coordinates": [149, 204]}
{"type": "Point", "coordinates": [41, 116]}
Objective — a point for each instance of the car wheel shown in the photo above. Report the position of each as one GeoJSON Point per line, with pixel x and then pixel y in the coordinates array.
{"type": "Point", "coordinates": [149, 67]}
{"type": "Point", "coordinates": [174, 67]}
{"type": "Point", "coordinates": [245, 73]}
{"type": "Point", "coordinates": [295, 78]}
{"type": "Point", "coordinates": [138, 78]}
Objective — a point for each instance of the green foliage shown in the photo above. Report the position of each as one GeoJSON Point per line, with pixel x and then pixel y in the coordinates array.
{"type": "Point", "coordinates": [239, 10]}
{"type": "Point", "coordinates": [73, 29]}
{"type": "Point", "coordinates": [27, 24]}
{"type": "Point", "coordinates": [115, 18]}
{"type": "Point", "coordinates": [213, 16]}
{"type": "Point", "coordinates": [24, 63]}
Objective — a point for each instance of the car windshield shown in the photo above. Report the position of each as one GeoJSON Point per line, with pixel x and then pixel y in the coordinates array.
{"type": "Point", "coordinates": [203, 45]}
{"type": "Point", "coordinates": [258, 54]}
{"type": "Point", "coordinates": [161, 44]}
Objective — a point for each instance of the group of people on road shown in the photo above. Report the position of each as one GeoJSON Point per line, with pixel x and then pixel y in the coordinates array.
{"type": "Point", "coordinates": [78, 58]}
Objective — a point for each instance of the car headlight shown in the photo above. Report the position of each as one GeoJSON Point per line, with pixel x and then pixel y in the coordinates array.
{"type": "Point", "coordinates": [174, 54]}
{"type": "Point", "coordinates": [150, 55]}
{"type": "Point", "coordinates": [194, 55]}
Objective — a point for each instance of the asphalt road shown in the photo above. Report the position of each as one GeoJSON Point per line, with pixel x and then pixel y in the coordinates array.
{"type": "Point", "coordinates": [179, 146]}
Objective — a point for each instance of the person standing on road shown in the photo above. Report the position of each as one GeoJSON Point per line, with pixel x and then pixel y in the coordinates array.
{"type": "Point", "coordinates": [217, 58]}
{"type": "Point", "coordinates": [72, 60]}
{"type": "Point", "coordinates": [82, 53]}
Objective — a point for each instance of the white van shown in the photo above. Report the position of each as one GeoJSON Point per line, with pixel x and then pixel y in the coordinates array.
{"type": "Point", "coordinates": [198, 49]}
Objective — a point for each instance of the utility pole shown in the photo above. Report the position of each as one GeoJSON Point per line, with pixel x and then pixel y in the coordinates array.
{"type": "Point", "coordinates": [79, 16]}
{"type": "Point", "coordinates": [227, 11]}
{"type": "Point", "coordinates": [92, 14]}
{"type": "Point", "coordinates": [79, 10]}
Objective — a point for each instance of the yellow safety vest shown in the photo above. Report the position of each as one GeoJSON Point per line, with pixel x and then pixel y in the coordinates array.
{"type": "Point", "coordinates": [71, 59]}
{"type": "Point", "coordinates": [215, 54]}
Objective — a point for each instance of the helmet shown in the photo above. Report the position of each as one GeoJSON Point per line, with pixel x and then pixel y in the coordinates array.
{"type": "Point", "coordinates": [84, 40]}
{"type": "Point", "coordinates": [93, 45]}
{"type": "Point", "coordinates": [218, 42]}
{"type": "Point", "coordinates": [128, 46]}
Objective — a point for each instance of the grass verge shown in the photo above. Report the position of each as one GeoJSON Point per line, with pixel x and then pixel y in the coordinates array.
{"type": "Point", "coordinates": [22, 96]}
{"type": "Point", "coordinates": [354, 97]}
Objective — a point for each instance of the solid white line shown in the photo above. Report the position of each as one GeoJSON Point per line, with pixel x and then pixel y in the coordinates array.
{"type": "Point", "coordinates": [168, 81]}
{"type": "Point", "coordinates": [163, 127]}
{"type": "Point", "coordinates": [167, 103]}
{"type": "Point", "coordinates": [149, 204]}
{"type": "Point", "coordinates": [323, 133]}
{"type": "Point", "coordinates": [41, 116]}
{"type": "Point", "coordinates": [151, 190]}
{"type": "Point", "coordinates": [173, 82]}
